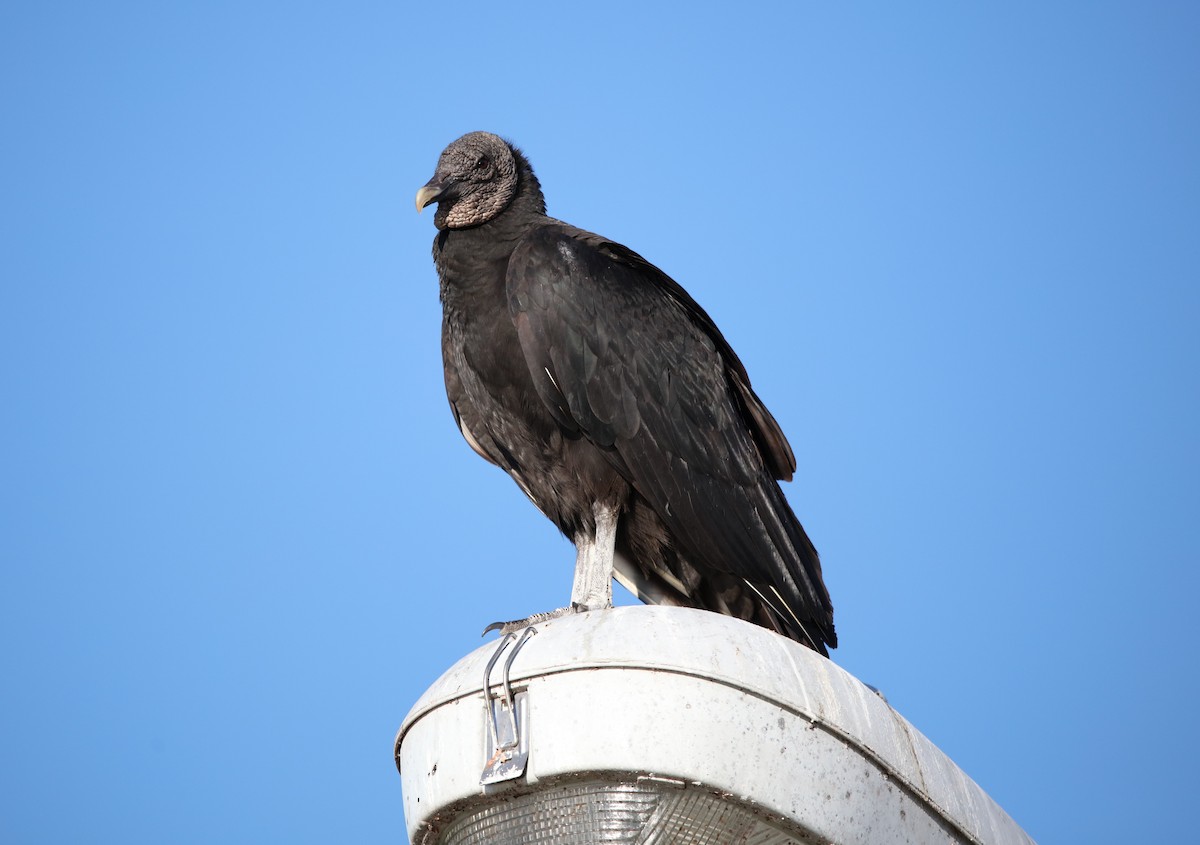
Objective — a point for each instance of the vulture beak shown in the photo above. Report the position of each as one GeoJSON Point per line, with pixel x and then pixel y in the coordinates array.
{"type": "Point", "coordinates": [429, 193]}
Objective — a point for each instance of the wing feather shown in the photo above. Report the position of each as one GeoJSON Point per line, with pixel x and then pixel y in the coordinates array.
{"type": "Point", "coordinates": [620, 352]}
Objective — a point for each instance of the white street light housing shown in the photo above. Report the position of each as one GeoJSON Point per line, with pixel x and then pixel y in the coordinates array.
{"type": "Point", "coordinates": [658, 726]}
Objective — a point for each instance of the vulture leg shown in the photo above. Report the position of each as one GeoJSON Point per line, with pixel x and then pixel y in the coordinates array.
{"type": "Point", "coordinates": [594, 561]}
{"type": "Point", "coordinates": [593, 573]}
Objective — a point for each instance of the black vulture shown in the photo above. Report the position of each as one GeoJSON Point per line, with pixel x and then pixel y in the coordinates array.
{"type": "Point", "coordinates": [612, 399]}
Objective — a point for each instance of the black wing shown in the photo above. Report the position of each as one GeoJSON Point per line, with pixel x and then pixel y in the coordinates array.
{"type": "Point", "coordinates": [619, 352]}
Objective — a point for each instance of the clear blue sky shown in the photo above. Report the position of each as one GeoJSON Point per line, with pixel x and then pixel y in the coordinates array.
{"type": "Point", "coordinates": [957, 246]}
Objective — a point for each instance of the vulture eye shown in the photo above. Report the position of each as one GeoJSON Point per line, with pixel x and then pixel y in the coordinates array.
{"type": "Point", "coordinates": [483, 163]}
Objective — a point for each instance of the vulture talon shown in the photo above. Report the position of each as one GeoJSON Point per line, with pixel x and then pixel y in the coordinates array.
{"type": "Point", "coordinates": [516, 625]}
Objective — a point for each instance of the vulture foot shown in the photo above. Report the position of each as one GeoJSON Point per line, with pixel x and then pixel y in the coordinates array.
{"type": "Point", "coordinates": [520, 624]}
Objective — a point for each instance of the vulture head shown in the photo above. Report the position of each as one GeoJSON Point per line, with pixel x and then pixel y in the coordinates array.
{"type": "Point", "coordinates": [476, 178]}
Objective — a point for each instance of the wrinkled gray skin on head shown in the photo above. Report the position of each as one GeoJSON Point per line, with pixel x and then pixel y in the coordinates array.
{"type": "Point", "coordinates": [475, 180]}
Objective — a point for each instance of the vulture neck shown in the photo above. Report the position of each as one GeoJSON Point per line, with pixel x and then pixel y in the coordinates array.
{"type": "Point", "coordinates": [472, 262]}
{"type": "Point", "coordinates": [528, 203]}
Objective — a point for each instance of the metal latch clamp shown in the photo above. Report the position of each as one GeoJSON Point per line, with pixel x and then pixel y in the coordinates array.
{"type": "Point", "coordinates": [506, 718]}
